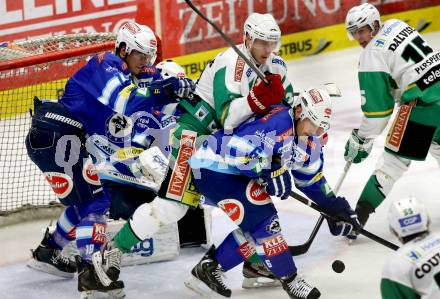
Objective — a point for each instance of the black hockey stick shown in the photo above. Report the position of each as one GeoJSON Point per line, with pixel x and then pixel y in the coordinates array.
{"type": "Point", "coordinates": [361, 231]}
{"type": "Point", "coordinates": [229, 41]}
{"type": "Point", "coordinates": [303, 248]}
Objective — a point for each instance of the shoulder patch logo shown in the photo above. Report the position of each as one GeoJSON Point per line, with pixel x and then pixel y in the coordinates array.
{"type": "Point", "coordinates": [119, 127]}
{"type": "Point", "coordinates": [239, 68]}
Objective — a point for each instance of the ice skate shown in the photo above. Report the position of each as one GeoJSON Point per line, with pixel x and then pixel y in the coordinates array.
{"type": "Point", "coordinates": [207, 278]}
{"type": "Point", "coordinates": [107, 263]}
{"type": "Point", "coordinates": [298, 288]}
{"type": "Point", "coordinates": [256, 275]}
{"type": "Point", "coordinates": [89, 284]}
{"type": "Point", "coordinates": [50, 260]}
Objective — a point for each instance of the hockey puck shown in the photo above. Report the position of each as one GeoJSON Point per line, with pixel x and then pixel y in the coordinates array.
{"type": "Point", "coordinates": [338, 266]}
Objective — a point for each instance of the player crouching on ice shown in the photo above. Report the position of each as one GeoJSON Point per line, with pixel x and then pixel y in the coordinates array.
{"type": "Point", "coordinates": [239, 172]}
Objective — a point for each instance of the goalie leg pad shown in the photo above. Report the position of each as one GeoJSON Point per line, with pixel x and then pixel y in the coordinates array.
{"type": "Point", "coordinates": [149, 217]}
{"type": "Point", "coordinates": [154, 163]}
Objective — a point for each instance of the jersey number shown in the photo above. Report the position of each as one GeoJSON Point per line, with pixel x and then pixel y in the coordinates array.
{"type": "Point", "coordinates": [410, 51]}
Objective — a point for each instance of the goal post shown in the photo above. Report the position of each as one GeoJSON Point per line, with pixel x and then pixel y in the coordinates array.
{"type": "Point", "coordinates": [37, 67]}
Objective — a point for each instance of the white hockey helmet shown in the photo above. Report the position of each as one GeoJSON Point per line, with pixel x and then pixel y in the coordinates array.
{"type": "Point", "coordinates": [264, 27]}
{"type": "Point", "coordinates": [316, 105]}
{"type": "Point", "coordinates": [169, 68]}
{"type": "Point", "coordinates": [137, 37]}
{"type": "Point", "coordinates": [408, 216]}
{"type": "Point", "coordinates": [359, 16]}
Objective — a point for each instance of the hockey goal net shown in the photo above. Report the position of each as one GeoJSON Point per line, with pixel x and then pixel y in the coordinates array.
{"type": "Point", "coordinates": [37, 67]}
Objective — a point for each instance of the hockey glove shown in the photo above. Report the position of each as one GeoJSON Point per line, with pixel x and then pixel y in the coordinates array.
{"type": "Point", "coordinates": [172, 87]}
{"type": "Point", "coordinates": [345, 219]}
{"type": "Point", "coordinates": [263, 95]}
{"type": "Point", "coordinates": [186, 87]}
{"type": "Point", "coordinates": [357, 148]}
{"type": "Point", "coordinates": [278, 182]}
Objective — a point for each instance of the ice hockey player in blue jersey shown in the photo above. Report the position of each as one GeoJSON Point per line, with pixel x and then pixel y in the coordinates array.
{"type": "Point", "coordinates": [100, 100]}
{"type": "Point", "coordinates": [259, 159]}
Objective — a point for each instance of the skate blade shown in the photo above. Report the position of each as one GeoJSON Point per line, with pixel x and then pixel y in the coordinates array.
{"type": "Point", "coordinates": [97, 264]}
{"type": "Point", "coordinates": [45, 267]}
{"type": "Point", "coordinates": [259, 282]}
{"type": "Point", "coordinates": [351, 242]}
{"type": "Point", "coordinates": [199, 287]}
{"type": "Point", "coordinates": [114, 294]}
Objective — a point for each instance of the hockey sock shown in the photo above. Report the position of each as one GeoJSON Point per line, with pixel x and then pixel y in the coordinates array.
{"type": "Point", "coordinates": [90, 235]}
{"type": "Point", "coordinates": [234, 249]}
{"type": "Point", "coordinates": [65, 229]}
{"type": "Point", "coordinates": [125, 239]}
{"type": "Point", "coordinates": [272, 248]}
{"type": "Point", "coordinates": [143, 224]}
{"type": "Point", "coordinates": [374, 193]}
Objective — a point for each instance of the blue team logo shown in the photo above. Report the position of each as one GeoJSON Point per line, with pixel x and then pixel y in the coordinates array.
{"type": "Point", "coordinates": [278, 61]}
{"type": "Point", "coordinates": [274, 226]}
{"type": "Point", "coordinates": [411, 220]}
{"type": "Point", "coordinates": [380, 42]}
{"type": "Point", "coordinates": [414, 255]}
{"type": "Point", "coordinates": [249, 72]}
{"type": "Point", "coordinates": [119, 127]}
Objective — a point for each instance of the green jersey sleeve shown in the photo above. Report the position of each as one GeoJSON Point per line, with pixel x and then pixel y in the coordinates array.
{"type": "Point", "coordinates": [376, 85]}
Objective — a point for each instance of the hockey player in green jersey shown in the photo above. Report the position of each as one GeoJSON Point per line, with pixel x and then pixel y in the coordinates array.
{"type": "Point", "coordinates": [228, 92]}
{"type": "Point", "coordinates": [413, 271]}
{"type": "Point", "coordinates": [396, 65]}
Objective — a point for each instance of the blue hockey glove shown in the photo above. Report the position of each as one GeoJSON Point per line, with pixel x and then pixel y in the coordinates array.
{"type": "Point", "coordinates": [172, 87]}
{"type": "Point", "coordinates": [186, 87]}
{"type": "Point", "coordinates": [278, 182]}
{"type": "Point", "coordinates": [180, 87]}
{"type": "Point", "coordinates": [346, 219]}
{"type": "Point", "coordinates": [357, 148]}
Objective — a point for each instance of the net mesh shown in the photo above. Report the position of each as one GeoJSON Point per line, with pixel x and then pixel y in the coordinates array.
{"type": "Point", "coordinates": [38, 67]}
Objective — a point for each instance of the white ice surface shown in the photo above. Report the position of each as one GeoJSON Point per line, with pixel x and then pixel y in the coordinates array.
{"type": "Point", "coordinates": [363, 260]}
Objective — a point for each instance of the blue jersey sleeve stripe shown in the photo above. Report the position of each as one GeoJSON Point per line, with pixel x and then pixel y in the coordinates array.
{"type": "Point", "coordinates": [109, 90]}
{"type": "Point", "coordinates": [120, 104]}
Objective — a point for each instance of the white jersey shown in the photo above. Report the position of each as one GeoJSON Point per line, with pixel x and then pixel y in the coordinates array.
{"type": "Point", "coordinates": [226, 81]}
{"type": "Point", "coordinates": [414, 271]}
{"type": "Point", "coordinates": [397, 64]}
